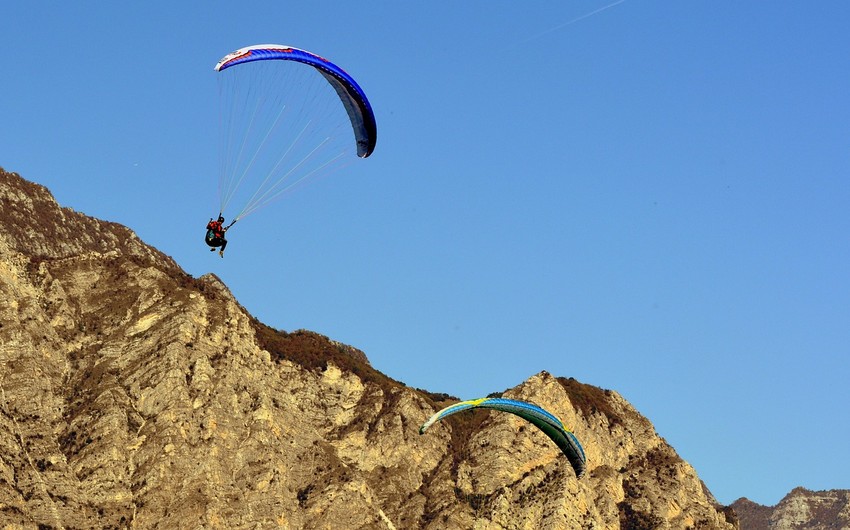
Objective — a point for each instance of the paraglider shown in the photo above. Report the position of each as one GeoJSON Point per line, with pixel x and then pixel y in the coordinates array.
{"type": "Point", "coordinates": [215, 235]}
{"type": "Point", "coordinates": [286, 115]}
{"type": "Point", "coordinates": [542, 419]}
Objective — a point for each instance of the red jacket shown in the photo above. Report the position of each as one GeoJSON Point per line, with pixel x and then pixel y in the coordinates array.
{"type": "Point", "coordinates": [216, 227]}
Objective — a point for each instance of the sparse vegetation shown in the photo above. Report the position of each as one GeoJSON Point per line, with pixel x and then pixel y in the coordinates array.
{"type": "Point", "coordinates": [632, 519]}
{"type": "Point", "coordinates": [438, 399]}
{"type": "Point", "coordinates": [590, 400]}
{"type": "Point", "coordinates": [313, 352]}
{"type": "Point", "coordinates": [474, 500]}
{"type": "Point", "coordinates": [303, 495]}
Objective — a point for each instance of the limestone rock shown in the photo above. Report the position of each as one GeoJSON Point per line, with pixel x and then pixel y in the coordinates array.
{"type": "Point", "coordinates": [133, 395]}
{"type": "Point", "coordinates": [800, 509]}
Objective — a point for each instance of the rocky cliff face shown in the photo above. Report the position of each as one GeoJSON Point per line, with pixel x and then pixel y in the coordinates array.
{"type": "Point", "coordinates": [135, 396]}
{"type": "Point", "coordinates": [801, 509]}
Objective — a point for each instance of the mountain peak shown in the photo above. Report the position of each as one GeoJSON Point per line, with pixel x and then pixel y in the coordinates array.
{"type": "Point", "coordinates": [801, 508]}
{"type": "Point", "coordinates": [134, 395]}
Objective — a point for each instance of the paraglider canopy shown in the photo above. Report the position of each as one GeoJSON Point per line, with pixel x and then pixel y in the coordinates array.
{"type": "Point", "coordinates": [352, 96]}
{"type": "Point", "coordinates": [544, 420]}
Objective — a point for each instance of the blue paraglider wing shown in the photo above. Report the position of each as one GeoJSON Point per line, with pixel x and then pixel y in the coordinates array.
{"type": "Point", "coordinates": [352, 96]}
{"type": "Point", "coordinates": [544, 420]}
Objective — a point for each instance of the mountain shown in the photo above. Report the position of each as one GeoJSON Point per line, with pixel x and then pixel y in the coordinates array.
{"type": "Point", "coordinates": [133, 395]}
{"type": "Point", "coordinates": [799, 510]}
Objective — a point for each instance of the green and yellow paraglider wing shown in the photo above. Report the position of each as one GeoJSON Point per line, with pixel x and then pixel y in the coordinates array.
{"type": "Point", "coordinates": [544, 420]}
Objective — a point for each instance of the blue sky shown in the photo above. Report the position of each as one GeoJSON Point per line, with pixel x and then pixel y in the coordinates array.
{"type": "Point", "coordinates": [652, 199]}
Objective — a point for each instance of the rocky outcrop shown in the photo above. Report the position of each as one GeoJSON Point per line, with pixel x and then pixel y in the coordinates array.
{"type": "Point", "coordinates": [801, 509]}
{"type": "Point", "coordinates": [133, 395]}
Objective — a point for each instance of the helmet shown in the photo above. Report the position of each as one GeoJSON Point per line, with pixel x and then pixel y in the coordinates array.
{"type": "Point", "coordinates": [220, 219]}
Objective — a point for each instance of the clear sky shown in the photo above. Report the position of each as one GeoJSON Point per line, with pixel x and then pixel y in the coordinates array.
{"type": "Point", "coordinates": [648, 196]}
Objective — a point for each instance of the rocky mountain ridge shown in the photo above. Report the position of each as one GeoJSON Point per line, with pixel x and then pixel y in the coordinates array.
{"type": "Point", "coordinates": [133, 395]}
{"type": "Point", "coordinates": [800, 509]}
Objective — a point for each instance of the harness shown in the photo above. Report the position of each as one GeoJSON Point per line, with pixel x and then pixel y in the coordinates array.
{"type": "Point", "coordinates": [215, 232]}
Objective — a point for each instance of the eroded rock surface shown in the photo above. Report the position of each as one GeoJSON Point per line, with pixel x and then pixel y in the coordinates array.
{"type": "Point", "coordinates": [135, 396]}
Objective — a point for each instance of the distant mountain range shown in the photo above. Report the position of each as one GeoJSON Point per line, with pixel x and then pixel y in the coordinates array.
{"type": "Point", "coordinates": [801, 509]}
